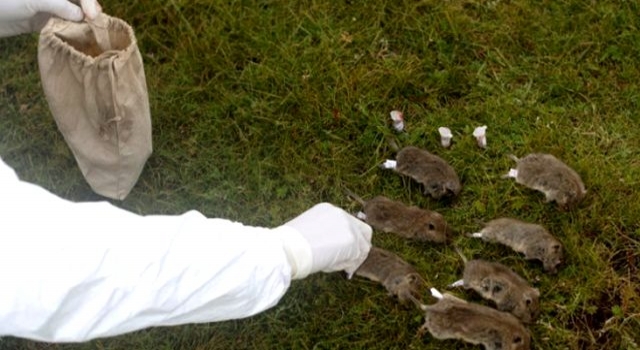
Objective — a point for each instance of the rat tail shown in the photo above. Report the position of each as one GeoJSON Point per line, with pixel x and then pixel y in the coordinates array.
{"type": "Point", "coordinates": [393, 144]}
{"type": "Point", "coordinates": [416, 301]}
{"type": "Point", "coordinates": [464, 258]}
{"type": "Point", "coordinates": [513, 157]}
{"type": "Point", "coordinates": [354, 196]}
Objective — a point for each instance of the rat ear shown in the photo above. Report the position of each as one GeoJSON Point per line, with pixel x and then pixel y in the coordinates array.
{"type": "Point", "coordinates": [536, 292]}
{"type": "Point", "coordinates": [397, 281]}
{"type": "Point", "coordinates": [517, 339]}
{"type": "Point", "coordinates": [452, 187]}
{"type": "Point", "coordinates": [433, 187]}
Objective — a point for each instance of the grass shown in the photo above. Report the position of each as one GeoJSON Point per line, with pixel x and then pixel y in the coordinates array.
{"type": "Point", "coordinates": [263, 108]}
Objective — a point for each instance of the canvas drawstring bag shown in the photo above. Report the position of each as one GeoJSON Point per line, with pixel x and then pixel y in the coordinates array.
{"type": "Point", "coordinates": [93, 79]}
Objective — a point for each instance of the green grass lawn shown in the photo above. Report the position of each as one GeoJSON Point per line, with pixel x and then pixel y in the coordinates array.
{"type": "Point", "coordinates": [263, 108]}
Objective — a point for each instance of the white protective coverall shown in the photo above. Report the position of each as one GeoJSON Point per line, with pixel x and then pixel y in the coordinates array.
{"type": "Point", "coordinates": [72, 272]}
{"type": "Point", "coordinates": [77, 271]}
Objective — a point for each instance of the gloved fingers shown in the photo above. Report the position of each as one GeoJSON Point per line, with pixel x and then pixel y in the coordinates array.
{"type": "Point", "coordinates": [70, 10]}
{"type": "Point", "coordinates": [29, 25]}
{"type": "Point", "coordinates": [350, 247]}
{"type": "Point", "coordinates": [18, 17]}
{"type": "Point", "coordinates": [38, 21]}
{"type": "Point", "coordinates": [91, 8]}
{"type": "Point", "coordinates": [338, 240]}
{"type": "Point", "coordinates": [360, 248]}
{"type": "Point", "coordinates": [61, 8]}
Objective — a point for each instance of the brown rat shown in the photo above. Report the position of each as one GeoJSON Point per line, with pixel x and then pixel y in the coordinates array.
{"type": "Point", "coordinates": [434, 173]}
{"type": "Point", "coordinates": [410, 222]}
{"type": "Point", "coordinates": [533, 240]}
{"type": "Point", "coordinates": [500, 284]}
{"type": "Point", "coordinates": [454, 318]}
{"type": "Point", "coordinates": [549, 175]}
{"type": "Point", "coordinates": [396, 275]}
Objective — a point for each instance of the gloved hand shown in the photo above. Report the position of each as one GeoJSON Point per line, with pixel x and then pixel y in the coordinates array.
{"type": "Point", "coordinates": [25, 16]}
{"type": "Point", "coordinates": [338, 240]}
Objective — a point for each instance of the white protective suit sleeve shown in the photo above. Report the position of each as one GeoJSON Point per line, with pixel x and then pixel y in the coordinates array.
{"type": "Point", "coordinates": [114, 272]}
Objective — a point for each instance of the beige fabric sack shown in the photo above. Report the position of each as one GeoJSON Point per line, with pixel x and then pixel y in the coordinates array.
{"type": "Point", "coordinates": [94, 82]}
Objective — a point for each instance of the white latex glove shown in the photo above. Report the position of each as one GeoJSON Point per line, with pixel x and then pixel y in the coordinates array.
{"type": "Point", "coordinates": [338, 241]}
{"type": "Point", "coordinates": [25, 16]}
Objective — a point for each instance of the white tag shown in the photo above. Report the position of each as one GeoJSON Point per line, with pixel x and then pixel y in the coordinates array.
{"type": "Point", "coordinates": [458, 283]}
{"type": "Point", "coordinates": [480, 133]}
{"type": "Point", "coordinates": [397, 117]}
{"type": "Point", "coordinates": [389, 164]}
{"type": "Point", "coordinates": [436, 294]}
{"type": "Point", "coordinates": [445, 136]}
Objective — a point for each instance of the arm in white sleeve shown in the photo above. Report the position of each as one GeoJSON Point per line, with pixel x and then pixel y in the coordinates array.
{"type": "Point", "coordinates": [77, 271]}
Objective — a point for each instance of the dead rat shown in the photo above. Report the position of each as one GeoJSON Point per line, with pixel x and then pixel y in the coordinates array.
{"type": "Point", "coordinates": [549, 175]}
{"type": "Point", "coordinates": [399, 277]}
{"type": "Point", "coordinates": [395, 217]}
{"type": "Point", "coordinates": [434, 173]}
{"type": "Point", "coordinates": [500, 284]}
{"type": "Point", "coordinates": [454, 318]}
{"type": "Point", "coordinates": [533, 240]}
